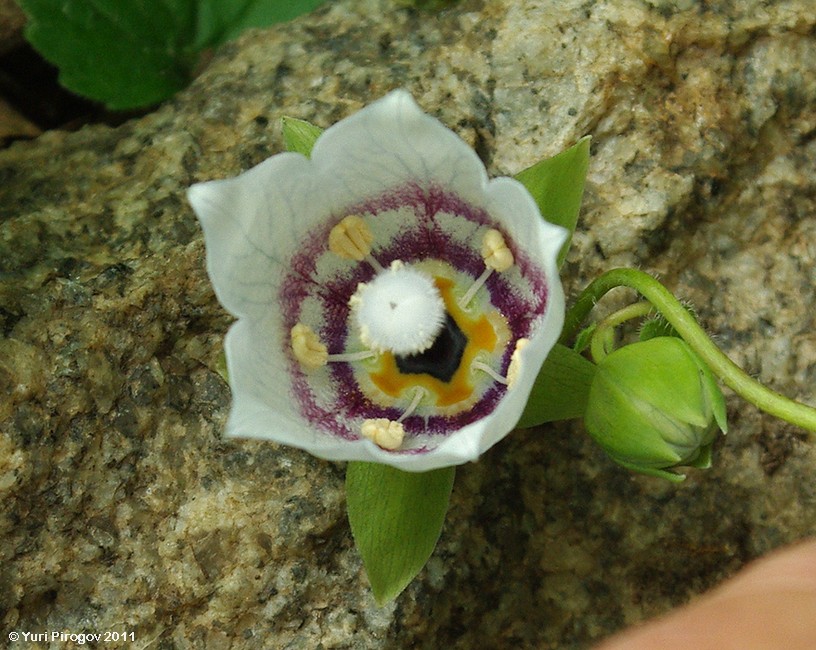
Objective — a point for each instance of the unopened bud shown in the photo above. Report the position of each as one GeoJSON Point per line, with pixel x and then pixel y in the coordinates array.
{"type": "Point", "coordinates": [655, 405]}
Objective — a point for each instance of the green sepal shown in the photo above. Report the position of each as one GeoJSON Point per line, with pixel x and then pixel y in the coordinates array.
{"type": "Point", "coordinates": [220, 365]}
{"type": "Point", "coordinates": [396, 518]}
{"type": "Point", "coordinates": [299, 135]}
{"type": "Point", "coordinates": [674, 477]}
{"type": "Point", "coordinates": [561, 390]}
{"type": "Point", "coordinates": [557, 185]}
{"type": "Point", "coordinates": [656, 327]}
{"type": "Point", "coordinates": [584, 338]}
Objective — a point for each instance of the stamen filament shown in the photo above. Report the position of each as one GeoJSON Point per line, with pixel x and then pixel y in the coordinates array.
{"type": "Point", "coordinates": [418, 395]}
{"type": "Point", "coordinates": [374, 263]}
{"type": "Point", "coordinates": [477, 284]}
{"type": "Point", "coordinates": [478, 365]}
{"type": "Point", "coordinates": [351, 356]}
{"type": "Point", "coordinates": [513, 369]}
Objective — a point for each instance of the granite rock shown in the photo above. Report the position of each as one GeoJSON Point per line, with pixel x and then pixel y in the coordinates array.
{"type": "Point", "coordinates": [123, 510]}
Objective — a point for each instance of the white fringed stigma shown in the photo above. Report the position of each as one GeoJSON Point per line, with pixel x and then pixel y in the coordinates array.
{"type": "Point", "coordinates": [399, 311]}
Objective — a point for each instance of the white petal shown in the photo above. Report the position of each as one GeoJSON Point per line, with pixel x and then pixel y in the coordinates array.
{"type": "Point", "coordinates": [392, 142]}
{"type": "Point", "coordinates": [252, 223]}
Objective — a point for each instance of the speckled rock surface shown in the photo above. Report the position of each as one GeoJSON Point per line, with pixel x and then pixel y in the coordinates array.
{"type": "Point", "coordinates": [121, 509]}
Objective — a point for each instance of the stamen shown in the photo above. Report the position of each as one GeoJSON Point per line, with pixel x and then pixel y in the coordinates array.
{"type": "Point", "coordinates": [399, 311]}
{"type": "Point", "coordinates": [351, 239]}
{"type": "Point", "coordinates": [497, 257]}
{"type": "Point", "coordinates": [312, 353]}
{"type": "Point", "coordinates": [513, 369]}
{"type": "Point", "coordinates": [308, 349]}
{"type": "Point", "coordinates": [383, 432]}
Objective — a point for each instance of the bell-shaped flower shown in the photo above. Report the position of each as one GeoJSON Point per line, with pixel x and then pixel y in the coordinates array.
{"type": "Point", "coordinates": [393, 304]}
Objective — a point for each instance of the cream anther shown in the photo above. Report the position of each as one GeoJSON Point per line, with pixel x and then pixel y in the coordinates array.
{"type": "Point", "coordinates": [389, 434]}
{"type": "Point", "coordinates": [495, 253]}
{"type": "Point", "coordinates": [496, 256]}
{"type": "Point", "coordinates": [311, 353]}
{"type": "Point", "coordinates": [399, 311]}
{"type": "Point", "coordinates": [351, 239]}
{"type": "Point", "coordinates": [384, 433]}
{"type": "Point", "coordinates": [308, 349]}
{"type": "Point", "coordinates": [514, 368]}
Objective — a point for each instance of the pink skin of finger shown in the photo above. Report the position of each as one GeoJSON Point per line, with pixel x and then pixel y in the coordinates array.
{"type": "Point", "coordinates": [769, 605]}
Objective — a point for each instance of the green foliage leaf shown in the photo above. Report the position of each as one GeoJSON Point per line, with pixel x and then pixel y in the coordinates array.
{"type": "Point", "coordinates": [133, 54]}
{"type": "Point", "coordinates": [223, 20]}
{"type": "Point", "coordinates": [396, 518]}
{"type": "Point", "coordinates": [300, 135]}
{"type": "Point", "coordinates": [126, 54]}
{"type": "Point", "coordinates": [561, 389]}
{"type": "Point", "coordinates": [428, 5]}
{"type": "Point", "coordinates": [557, 185]}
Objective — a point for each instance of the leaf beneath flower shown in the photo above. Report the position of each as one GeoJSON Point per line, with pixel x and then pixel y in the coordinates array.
{"type": "Point", "coordinates": [561, 389]}
{"type": "Point", "coordinates": [557, 185]}
{"type": "Point", "coordinates": [396, 518]}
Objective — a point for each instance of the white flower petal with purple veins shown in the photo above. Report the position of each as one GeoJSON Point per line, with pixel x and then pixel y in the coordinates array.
{"type": "Point", "coordinates": [317, 356]}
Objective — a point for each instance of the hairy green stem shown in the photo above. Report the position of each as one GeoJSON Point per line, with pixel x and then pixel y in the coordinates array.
{"type": "Point", "coordinates": [603, 340]}
{"type": "Point", "coordinates": [687, 327]}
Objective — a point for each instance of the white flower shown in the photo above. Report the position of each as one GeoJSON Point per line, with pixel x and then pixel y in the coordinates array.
{"type": "Point", "coordinates": [383, 290]}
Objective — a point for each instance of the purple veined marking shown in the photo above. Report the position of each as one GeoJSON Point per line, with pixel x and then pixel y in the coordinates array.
{"type": "Point", "coordinates": [423, 239]}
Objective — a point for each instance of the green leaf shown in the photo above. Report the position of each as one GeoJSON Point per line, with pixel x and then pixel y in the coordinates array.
{"type": "Point", "coordinates": [131, 54]}
{"type": "Point", "coordinates": [557, 185]}
{"type": "Point", "coordinates": [561, 389]}
{"type": "Point", "coordinates": [126, 54]}
{"type": "Point", "coordinates": [427, 5]}
{"type": "Point", "coordinates": [396, 518]}
{"type": "Point", "coordinates": [223, 20]}
{"type": "Point", "coordinates": [299, 135]}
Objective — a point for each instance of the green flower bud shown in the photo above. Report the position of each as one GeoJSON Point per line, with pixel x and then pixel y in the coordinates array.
{"type": "Point", "coordinates": [654, 405]}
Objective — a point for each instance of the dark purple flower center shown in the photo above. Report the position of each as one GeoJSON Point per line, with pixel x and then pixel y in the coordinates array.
{"type": "Point", "coordinates": [442, 359]}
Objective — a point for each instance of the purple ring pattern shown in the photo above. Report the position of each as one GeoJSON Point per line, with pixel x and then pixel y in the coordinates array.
{"type": "Point", "coordinates": [521, 306]}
